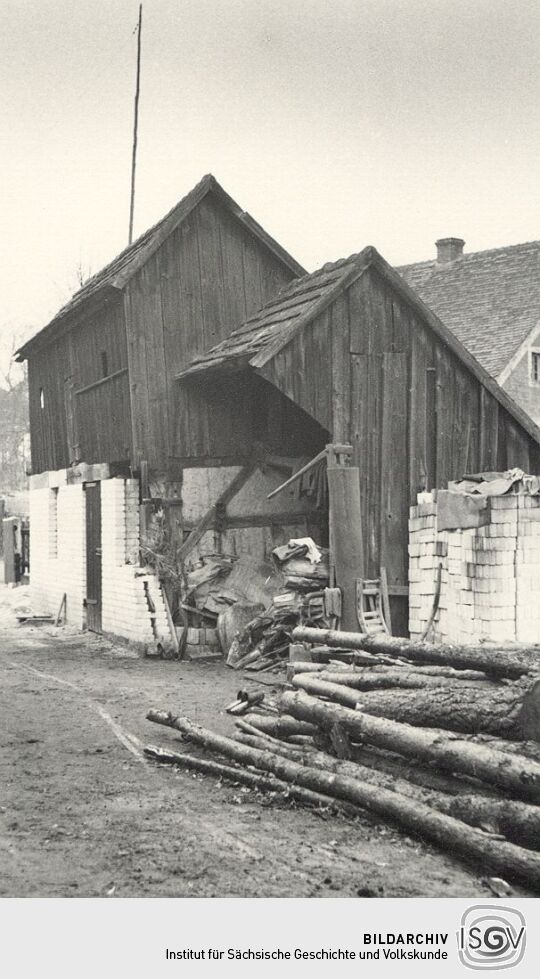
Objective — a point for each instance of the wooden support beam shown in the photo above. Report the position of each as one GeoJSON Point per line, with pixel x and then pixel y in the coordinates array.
{"type": "Point", "coordinates": [346, 545]}
{"type": "Point", "coordinates": [102, 380]}
{"type": "Point", "coordinates": [144, 481]}
{"type": "Point", "coordinates": [329, 452]}
{"type": "Point", "coordinates": [209, 518]}
{"type": "Point", "coordinates": [283, 518]}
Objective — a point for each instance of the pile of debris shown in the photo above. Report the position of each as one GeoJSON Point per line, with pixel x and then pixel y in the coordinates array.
{"type": "Point", "coordinates": [432, 738]}
{"type": "Point", "coordinates": [253, 606]}
{"type": "Point", "coordinates": [263, 644]}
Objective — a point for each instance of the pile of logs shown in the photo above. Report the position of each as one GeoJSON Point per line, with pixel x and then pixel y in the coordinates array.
{"type": "Point", "coordinates": [469, 690]}
{"type": "Point", "coordinates": [264, 642]}
{"type": "Point", "coordinates": [443, 742]}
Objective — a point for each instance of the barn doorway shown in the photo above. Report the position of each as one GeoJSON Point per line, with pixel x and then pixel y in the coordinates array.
{"type": "Point", "coordinates": [93, 556]}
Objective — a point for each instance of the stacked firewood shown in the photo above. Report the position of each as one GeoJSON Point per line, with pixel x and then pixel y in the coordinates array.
{"type": "Point", "coordinates": [442, 741]}
{"type": "Point", "coordinates": [263, 644]}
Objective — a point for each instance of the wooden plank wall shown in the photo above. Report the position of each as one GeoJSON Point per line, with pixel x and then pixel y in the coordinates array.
{"type": "Point", "coordinates": [305, 373]}
{"type": "Point", "coordinates": [98, 420]}
{"type": "Point", "coordinates": [418, 418]}
{"type": "Point", "coordinates": [199, 286]}
{"type": "Point", "coordinates": [415, 415]}
{"type": "Point", "coordinates": [104, 421]}
{"type": "Point", "coordinates": [239, 411]}
{"type": "Point", "coordinates": [47, 372]}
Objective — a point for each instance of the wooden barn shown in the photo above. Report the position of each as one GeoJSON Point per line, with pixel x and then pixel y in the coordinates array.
{"type": "Point", "coordinates": [358, 352]}
{"type": "Point", "coordinates": [105, 406]}
{"type": "Point", "coordinates": [199, 370]}
{"type": "Point", "coordinates": [101, 373]}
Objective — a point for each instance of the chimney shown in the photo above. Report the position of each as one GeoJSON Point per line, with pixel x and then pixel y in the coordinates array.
{"type": "Point", "coordinates": [449, 249]}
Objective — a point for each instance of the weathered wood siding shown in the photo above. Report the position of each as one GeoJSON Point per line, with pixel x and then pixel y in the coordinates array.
{"type": "Point", "coordinates": [47, 373]}
{"type": "Point", "coordinates": [235, 414]}
{"type": "Point", "coordinates": [199, 286]}
{"type": "Point", "coordinates": [303, 370]}
{"type": "Point", "coordinates": [372, 371]}
{"type": "Point", "coordinates": [79, 393]}
{"type": "Point", "coordinates": [418, 418]}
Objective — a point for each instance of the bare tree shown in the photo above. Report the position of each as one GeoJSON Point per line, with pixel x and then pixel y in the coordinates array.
{"type": "Point", "coordinates": [14, 422]}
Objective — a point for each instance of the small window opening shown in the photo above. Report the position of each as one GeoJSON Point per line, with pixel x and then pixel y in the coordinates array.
{"type": "Point", "coordinates": [41, 398]}
{"type": "Point", "coordinates": [535, 366]}
{"type": "Point", "coordinates": [104, 364]}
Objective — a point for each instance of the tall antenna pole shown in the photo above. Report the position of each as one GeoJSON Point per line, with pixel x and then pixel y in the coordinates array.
{"type": "Point", "coordinates": [135, 127]}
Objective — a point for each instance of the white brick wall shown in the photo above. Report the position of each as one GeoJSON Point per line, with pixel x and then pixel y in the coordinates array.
{"type": "Point", "coordinates": [51, 576]}
{"type": "Point", "coordinates": [58, 525]}
{"type": "Point", "coordinates": [490, 580]}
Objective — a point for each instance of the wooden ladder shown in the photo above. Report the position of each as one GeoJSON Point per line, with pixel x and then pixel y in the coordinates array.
{"type": "Point", "coordinates": [372, 605]}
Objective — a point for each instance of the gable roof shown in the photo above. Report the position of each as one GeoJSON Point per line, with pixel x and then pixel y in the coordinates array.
{"type": "Point", "coordinates": [262, 336]}
{"type": "Point", "coordinates": [114, 276]}
{"type": "Point", "coordinates": [489, 299]}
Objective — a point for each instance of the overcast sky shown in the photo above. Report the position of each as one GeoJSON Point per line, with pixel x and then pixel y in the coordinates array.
{"type": "Point", "coordinates": [335, 124]}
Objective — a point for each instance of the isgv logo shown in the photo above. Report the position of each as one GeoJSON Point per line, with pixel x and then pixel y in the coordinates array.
{"type": "Point", "coordinates": [491, 937]}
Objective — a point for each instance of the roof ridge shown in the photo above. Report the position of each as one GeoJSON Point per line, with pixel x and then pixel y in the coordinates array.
{"type": "Point", "coordinates": [468, 255]}
{"type": "Point", "coordinates": [134, 245]}
{"type": "Point", "coordinates": [116, 273]}
{"type": "Point", "coordinates": [294, 284]}
{"type": "Point", "coordinates": [332, 266]}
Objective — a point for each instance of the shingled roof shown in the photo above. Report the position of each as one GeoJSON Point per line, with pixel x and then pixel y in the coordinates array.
{"type": "Point", "coordinates": [490, 300]}
{"type": "Point", "coordinates": [261, 336]}
{"type": "Point", "coordinates": [114, 276]}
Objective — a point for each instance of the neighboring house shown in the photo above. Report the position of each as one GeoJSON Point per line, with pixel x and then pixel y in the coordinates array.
{"type": "Point", "coordinates": [103, 404]}
{"type": "Point", "coordinates": [491, 301]}
{"type": "Point", "coordinates": [359, 353]}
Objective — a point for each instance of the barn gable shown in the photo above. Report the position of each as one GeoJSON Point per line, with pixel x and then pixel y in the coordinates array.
{"type": "Point", "coordinates": [101, 373]}
{"type": "Point", "coordinates": [356, 349]}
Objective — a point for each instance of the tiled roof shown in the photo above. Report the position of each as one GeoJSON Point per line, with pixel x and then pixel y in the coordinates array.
{"type": "Point", "coordinates": [118, 272]}
{"type": "Point", "coordinates": [260, 337]}
{"type": "Point", "coordinates": [490, 300]}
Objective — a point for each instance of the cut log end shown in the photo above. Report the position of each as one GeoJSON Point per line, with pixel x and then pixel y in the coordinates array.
{"type": "Point", "coordinates": [530, 714]}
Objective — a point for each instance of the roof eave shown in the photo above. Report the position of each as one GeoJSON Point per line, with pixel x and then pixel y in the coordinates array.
{"type": "Point", "coordinates": [259, 360]}
{"type": "Point", "coordinates": [222, 366]}
{"type": "Point", "coordinates": [105, 293]}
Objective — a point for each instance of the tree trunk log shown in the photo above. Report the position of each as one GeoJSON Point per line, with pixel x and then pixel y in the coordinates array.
{"type": "Point", "coordinates": [517, 821]}
{"type": "Point", "coordinates": [424, 776]}
{"type": "Point", "coordinates": [406, 679]}
{"type": "Point", "coordinates": [503, 662]}
{"type": "Point", "coordinates": [465, 709]}
{"type": "Point", "coordinates": [300, 667]}
{"type": "Point", "coordinates": [355, 657]}
{"type": "Point", "coordinates": [282, 726]}
{"type": "Point", "coordinates": [263, 783]}
{"type": "Point", "coordinates": [527, 749]}
{"type": "Point", "coordinates": [530, 713]}
{"type": "Point", "coordinates": [382, 670]}
{"type": "Point", "coordinates": [519, 776]}
{"type": "Point", "coordinates": [500, 857]}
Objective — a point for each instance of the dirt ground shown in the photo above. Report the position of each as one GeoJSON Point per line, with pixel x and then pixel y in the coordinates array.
{"type": "Point", "coordinates": [84, 814]}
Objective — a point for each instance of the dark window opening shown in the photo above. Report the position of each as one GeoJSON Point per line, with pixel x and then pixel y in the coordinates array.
{"type": "Point", "coordinates": [535, 366]}
{"type": "Point", "coordinates": [104, 364]}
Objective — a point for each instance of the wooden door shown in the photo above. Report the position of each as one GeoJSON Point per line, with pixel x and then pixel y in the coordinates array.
{"type": "Point", "coordinates": [93, 556]}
